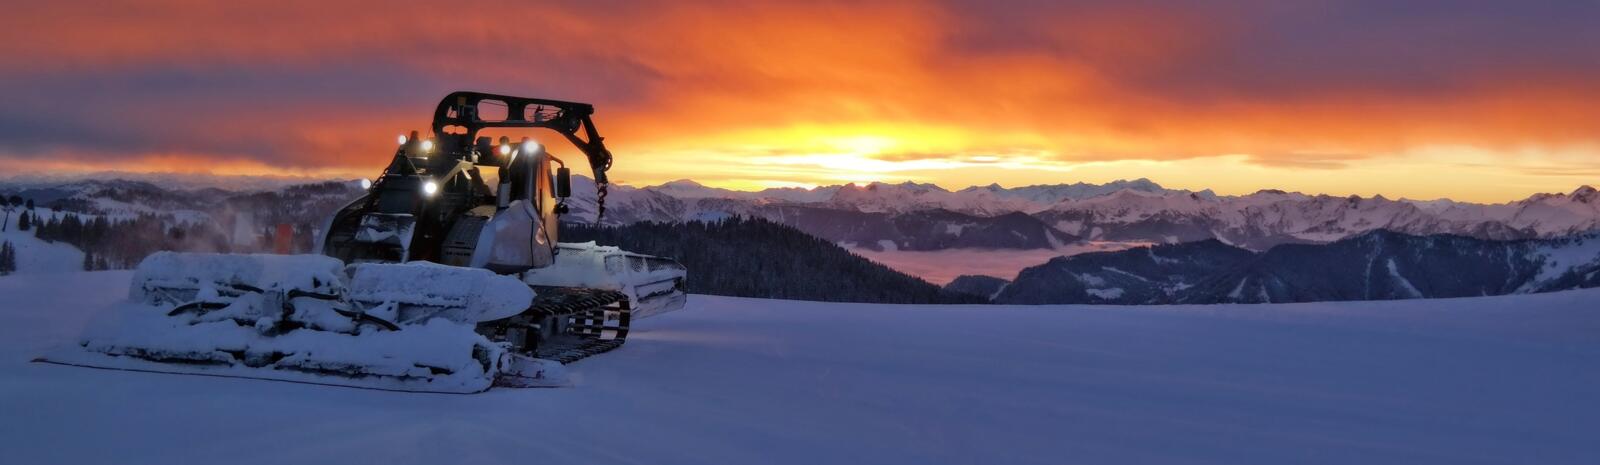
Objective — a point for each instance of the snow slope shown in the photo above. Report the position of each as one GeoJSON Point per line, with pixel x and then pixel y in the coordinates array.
{"type": "Point", "coordinates": [1475, 381]}
{"type": "Point", "coordinates": [38, 256]}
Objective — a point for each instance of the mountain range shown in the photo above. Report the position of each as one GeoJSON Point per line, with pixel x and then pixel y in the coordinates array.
{"type": "Point", "coordinates": [1377, 265]}
{"type": "Point", "coordinates": [912, 216]}
{"type": "Point", "coordinates": [1192, 247]}
{"type": "Point", "coordinates": [256, 205]}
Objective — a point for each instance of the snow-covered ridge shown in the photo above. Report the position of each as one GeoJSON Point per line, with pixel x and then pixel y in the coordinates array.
{"type": "Point", "coordinates": [1121, 211]}
{"type": "Point", "coordinates": [1128, 211]}
{"type": "Point", "coordinates": [172, 181]}
{"type": "Point", "coordinates": [1373, 266]}
{"type": "Point", "coordinates": [184, 199]}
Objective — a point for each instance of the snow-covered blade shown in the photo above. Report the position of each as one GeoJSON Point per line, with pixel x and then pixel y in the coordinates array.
{"type": "Point", "coordinates": [406, 327]}
{"type": "Point", "coordinates": [654, 285]}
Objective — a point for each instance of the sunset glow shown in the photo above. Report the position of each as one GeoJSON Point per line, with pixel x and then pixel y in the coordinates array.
{"type": "Point", "coordinates": [1473, 100]}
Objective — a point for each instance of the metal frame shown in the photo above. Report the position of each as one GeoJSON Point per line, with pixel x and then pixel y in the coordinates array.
{"type": "Point", "coordinates": [571, 119]}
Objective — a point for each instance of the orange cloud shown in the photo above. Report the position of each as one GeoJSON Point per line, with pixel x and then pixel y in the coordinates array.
{"type": "Point", "coordinates": [834, 90]}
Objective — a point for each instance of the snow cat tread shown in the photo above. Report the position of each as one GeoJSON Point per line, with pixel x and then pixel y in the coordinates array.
{"type": "Point", "coordinates": [597, 321]}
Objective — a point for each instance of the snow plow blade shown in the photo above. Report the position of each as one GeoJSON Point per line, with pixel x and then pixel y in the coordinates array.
{"type": "Point", "coordinates": [310, 319]}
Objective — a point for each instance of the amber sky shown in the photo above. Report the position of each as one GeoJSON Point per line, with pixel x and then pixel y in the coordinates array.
{"type": "Point", "coordinates": [1470, 99]}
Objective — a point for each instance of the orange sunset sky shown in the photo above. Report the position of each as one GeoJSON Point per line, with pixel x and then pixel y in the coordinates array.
{"type": "Point", "coordinates": [1470, 99]}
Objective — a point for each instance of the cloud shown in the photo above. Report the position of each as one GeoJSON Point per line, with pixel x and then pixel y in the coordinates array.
{"type": "Point", "coordinates": [323, 85]}
{"type": "Point", "coordinates": [1307, 160]}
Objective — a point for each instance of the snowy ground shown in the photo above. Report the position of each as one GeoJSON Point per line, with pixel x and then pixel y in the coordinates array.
{"type": "Point", "coordinates": [935, 267]}
{"type": "Point", "coordinates": [1512, 380]}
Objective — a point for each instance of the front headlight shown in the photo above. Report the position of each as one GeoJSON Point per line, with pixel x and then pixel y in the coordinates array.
{"type": "Point", "coordinates": [429, 188]}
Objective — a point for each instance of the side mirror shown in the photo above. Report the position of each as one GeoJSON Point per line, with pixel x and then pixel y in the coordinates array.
{"type": "Point", "coordinates": [563, 182]}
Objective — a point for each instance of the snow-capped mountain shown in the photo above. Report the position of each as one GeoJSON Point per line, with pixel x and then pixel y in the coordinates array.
{"type": "Point", "coordinates": [836, 219]}
{"type": "Point", "coordinates": [991, 200]}
{"type": "Point", "coordinates": [1123, 211]}
{"type": "Point", "coordinates": [165, 180]}
{"type": "Point", "coordinates": [936, 229]}
{"type": "Point", "coordinates": [912, 216]}
{"type": "Point", "coordinates": [120, 195]}
{"type": "Point", "coordinates": [1378, 265]}
{"type": "Point", "coordinates": [688, 189]}
{"type": "Point", "coordinates": [1046, 195]}
{"type": "Point", "coordinates": [1267, 218]}
{"type": "Point", "coordinates": [876, 197]}
{"type": "Point", "coordinates": [910, 197]}
{"type": "Point", "coordinates": [300, 203]}
{"type": "Point", "coordinates": [119, 221]}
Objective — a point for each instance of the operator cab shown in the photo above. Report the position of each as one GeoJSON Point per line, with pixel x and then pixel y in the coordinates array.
{"type": "Point", "coordinates": [461, 198]}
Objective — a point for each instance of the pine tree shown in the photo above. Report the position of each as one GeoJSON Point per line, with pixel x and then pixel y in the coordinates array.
{"type": "Point", "coordinates": [30, 204]}
{"type": "Point", "coordinates": [24, 222]}
{"type": "Point", "coordinates": [46, 230]}
{"type": "Point", "coordinates": [8, 259]}
{"type": "Point", "coordinates": [88, 261]}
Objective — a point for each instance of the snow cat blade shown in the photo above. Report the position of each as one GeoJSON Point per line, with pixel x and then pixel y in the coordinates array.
{"type": "Point", "coordinates": [310, 319]}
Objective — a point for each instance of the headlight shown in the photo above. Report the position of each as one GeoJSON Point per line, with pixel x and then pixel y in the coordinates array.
{"type": "Point", "coordinates": [430, 188]}
{"type": "Point", "coordinates": [402, 139]}
{"type": "Point", "coordinates": [530, 147]}
{"type": "Point", "coordinates": [505, 149]}
{"type": "Point", "coordinates": [427, 145]}
{"type": "Point", "coordinates": [366, 184]}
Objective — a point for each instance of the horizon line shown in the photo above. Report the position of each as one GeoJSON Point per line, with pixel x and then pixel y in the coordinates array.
{"type": "Point", "coordinates": [297, 179]}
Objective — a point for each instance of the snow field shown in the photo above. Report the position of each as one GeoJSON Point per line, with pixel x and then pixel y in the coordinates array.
{"type": "Point", "coordinates": [728, 380]}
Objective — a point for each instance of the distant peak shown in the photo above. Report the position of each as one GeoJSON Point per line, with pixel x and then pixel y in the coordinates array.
{"type": "Point", "coordinates": [1584, 191]}
{"type": "Point", "coordinates": [683, 183]}
{"type": "Point", "coordinates": [918, 185]}
{"type": "Point", "coordinates": [904, 185]}
{"type": "Point", "coordinates": [1143, 183]}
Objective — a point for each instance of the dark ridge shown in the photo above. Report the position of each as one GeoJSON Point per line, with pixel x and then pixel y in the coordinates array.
{"type": "Point", "coordinates": [745, 257]}
{"type": "Point", "coordinates": [977, 285]}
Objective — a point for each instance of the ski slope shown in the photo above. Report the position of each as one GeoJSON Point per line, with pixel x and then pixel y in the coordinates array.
{"type": "Point", "coordinates": [1511, 380]}
{"type": "Point", "coordinates": [35, 255]}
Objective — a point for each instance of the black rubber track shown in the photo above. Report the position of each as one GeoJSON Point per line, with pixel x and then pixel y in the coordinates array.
{"type": "Point", "coordinates": [587, 330]}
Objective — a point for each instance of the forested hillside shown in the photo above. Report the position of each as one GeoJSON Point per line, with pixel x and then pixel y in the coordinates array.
{"type": "Point", "coordinates": [759, 258]}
